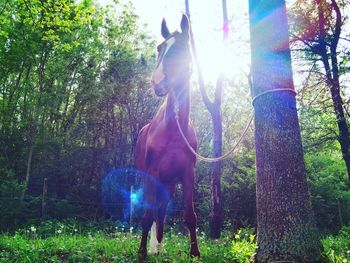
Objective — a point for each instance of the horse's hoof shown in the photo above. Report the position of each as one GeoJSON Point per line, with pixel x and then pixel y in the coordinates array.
{"type": "Point", "coordinates": [140, 258]}
{"type": "Point", "coordinates": [141, 255]}
{"type": "Point", "coordinates": [195, 253]}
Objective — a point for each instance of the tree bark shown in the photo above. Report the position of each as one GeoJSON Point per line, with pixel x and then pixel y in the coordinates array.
{"type": "Point", "coordinates": [285, 223]}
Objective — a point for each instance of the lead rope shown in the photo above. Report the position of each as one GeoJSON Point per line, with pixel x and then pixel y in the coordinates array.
{"type": "Point", "coordinates": [234, 148]}
{"type": "Point", "coordinates": [212, 160]}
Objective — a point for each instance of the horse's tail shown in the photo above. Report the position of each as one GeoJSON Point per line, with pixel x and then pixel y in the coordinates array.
{"type": "Point", "coordinates": [155, 246]}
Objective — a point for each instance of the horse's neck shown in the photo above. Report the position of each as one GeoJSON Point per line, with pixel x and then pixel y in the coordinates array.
{"type": "Point", "coordinates": [178, 104]}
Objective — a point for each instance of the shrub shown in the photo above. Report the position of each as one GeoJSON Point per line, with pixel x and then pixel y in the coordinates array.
{"type": "Point", "coordinates": [243, 246]}
{"type": "Point", "coordinates": [337, 248]}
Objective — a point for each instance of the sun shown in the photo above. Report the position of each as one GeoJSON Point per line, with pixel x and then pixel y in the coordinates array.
{"type": "Point", "coordinates": [216, 57]}
{"type": "Point", "coordinates": [232, 58]}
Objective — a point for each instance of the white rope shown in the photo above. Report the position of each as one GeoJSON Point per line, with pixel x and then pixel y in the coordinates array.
{"type": "Point", "coordinates": [272, 90]}
{"type": "Point", "coordinates": [212, 160]}
{"type": "Point", "coordinates": [234, 148]}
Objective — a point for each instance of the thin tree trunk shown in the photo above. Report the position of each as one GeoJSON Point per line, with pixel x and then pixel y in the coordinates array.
{"type": "Point", "coordinates": [29, 165]}
{"type": "Point", "coordinates": [216, 215]}
{"type": "Point", "coordinates": [25, 96]}
{"type": "Point", "coordinates": [31, 140]}
{"type": "Point", "coordinates": [343, 138]}
{"type": "Point", "coordinates": [285, 223]}
{"type": "Point", "coordinates": [332, 76]}
{"type": "Point", "coordinates": [35, 120]}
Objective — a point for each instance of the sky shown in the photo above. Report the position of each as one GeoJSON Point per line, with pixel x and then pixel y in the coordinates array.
{"type": "Point", "coordinates": [206, 19]}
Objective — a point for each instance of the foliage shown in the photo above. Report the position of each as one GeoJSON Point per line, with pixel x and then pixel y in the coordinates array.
{"type": "Point", "coordinates": [9, 190]}
{"type": "Point", "coordinates": [337, 248]}
{"type": "Point", "coordinates": [305, 31]}
{"type": "Point", "coordinates": [243, 246]}
{"type": "Point", "coordinates": [239, 195]}
{"type": "Point", "coordinates": [326, 171]}
{"type": "Point", "coordinates": [330, 196]}
{"type": "Point", "coordinates": [72, 99]}
{"type": "Point", "coordinates": [321, 52]}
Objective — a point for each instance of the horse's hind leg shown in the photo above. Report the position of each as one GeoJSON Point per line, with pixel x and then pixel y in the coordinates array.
{"type": "Point", "coordinates": [190, 215]}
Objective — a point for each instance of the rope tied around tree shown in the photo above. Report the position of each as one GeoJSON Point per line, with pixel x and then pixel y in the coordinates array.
{"type": "Point", "coordinates": [234, 148]}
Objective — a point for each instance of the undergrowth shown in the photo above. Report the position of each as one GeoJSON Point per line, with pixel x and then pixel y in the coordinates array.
{"type": "Point", "coordinates": [337, 248]}
{"type": "Point", "coordinates": [53, 241]}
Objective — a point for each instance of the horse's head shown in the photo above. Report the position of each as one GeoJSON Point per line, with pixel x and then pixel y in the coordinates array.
{"type": "Point", "coordinates": [174, 59]}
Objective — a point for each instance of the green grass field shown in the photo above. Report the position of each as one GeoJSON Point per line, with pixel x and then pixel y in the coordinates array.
{"type": "Point", "coordinates": [68, 243]}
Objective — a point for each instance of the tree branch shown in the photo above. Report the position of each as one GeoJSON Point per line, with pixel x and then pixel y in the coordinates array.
{"type": "Point", "coordinates": [337, 31]}
{"type": "Point", "coordinates": [204, 94]}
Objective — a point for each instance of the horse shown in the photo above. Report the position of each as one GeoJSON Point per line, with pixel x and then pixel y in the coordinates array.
{"type": "Point", "coordinates": [160, 150]}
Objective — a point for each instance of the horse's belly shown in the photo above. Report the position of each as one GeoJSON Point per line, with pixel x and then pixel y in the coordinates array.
{"type": "Point", "coordinates": [174, 165]}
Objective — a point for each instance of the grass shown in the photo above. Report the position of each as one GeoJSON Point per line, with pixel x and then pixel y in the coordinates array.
{"type": "Point", "coordinates": [76, 245]}
{"type": "Point", "coordinates": [58, 242]}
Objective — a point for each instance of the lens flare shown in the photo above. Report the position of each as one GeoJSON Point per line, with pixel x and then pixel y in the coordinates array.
{"type": "Point", "coordinates": [118, 197]}
{"type": "Point", "coordinates": [135, 197]}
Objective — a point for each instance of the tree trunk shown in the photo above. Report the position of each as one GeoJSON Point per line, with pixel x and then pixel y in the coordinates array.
{"type": "Point", "coordinates": [29, 165]}
{"type": "Point", "coordinates": [32, 134]}
{"type": "Point", "coordinates": [216, 216]}
{"type": "Point", "coordinates": [285, 224]}
{"type": "Point", "coordinates": [343, 138]}
{"type": "Point", "coordinates": [332, 75]}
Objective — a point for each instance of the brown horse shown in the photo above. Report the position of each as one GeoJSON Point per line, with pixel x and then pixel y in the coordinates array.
{"type": "Point", "coordinates": [160, 149]}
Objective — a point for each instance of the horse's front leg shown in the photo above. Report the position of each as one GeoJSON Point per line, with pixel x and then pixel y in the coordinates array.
{"type": "Point", "coordinates": [190, 215]}
{"type": "Point", "coordinates": [164, 195]}
{"type": "Point", "coordinates": [146, 226]}
{"type": "Point", "coordinates": [149, 216]}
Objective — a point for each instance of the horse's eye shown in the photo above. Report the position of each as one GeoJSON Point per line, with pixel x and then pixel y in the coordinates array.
{"type": "Point", "coordinates": [174, 52]}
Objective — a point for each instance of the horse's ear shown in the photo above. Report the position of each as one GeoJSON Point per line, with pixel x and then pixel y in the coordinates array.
{"type": "Point", "coordinates": [165, 31]}
{"type": "Point", "coordinates": [185, 25]}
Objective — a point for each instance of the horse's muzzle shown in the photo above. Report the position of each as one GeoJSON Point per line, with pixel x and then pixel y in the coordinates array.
{"type": "Point", "coordinates": [161, 89]}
